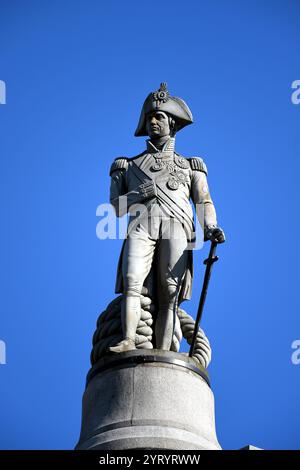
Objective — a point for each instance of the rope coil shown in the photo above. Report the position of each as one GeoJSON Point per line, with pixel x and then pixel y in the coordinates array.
{"type": "Point", "coordinates": [109, 331]}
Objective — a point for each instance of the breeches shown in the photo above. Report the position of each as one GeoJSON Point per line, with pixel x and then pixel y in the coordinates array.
{"type": "Point", "coordinates": [166, 238]}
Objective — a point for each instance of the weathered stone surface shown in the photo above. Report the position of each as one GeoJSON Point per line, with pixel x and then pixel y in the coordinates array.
{"type": "Point", "coordinates": [148, 405]}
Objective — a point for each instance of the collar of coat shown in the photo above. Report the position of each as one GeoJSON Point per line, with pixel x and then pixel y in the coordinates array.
{"type": "Point", "coordinates": [168, 147]}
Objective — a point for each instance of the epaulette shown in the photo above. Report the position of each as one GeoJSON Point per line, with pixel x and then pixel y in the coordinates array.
{"type": "Point", "coordinates": [198, 164]}
{"type": "Point", "coordinates": [120, 163]}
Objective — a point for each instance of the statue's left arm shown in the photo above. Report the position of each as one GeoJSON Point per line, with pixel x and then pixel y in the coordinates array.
{"type": "Point", "coordinates": [205, 209]}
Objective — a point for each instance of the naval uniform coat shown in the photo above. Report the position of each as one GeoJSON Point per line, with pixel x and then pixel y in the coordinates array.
{"type": "Point", "coordinates": [178, 181]}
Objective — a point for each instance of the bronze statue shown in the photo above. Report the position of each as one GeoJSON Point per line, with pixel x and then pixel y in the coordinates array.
{"type": "Point", "coordinates": [155, 187]}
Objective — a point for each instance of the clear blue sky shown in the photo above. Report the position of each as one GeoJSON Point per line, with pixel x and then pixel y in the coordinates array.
{"type": "Point", "coordinates": [77, 73]}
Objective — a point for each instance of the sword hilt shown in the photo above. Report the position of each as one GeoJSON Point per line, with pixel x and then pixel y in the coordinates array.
{"type": "Point", "coordinates": [211, 260]}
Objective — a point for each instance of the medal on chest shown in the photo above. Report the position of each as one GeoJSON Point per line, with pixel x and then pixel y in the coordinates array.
{"type": "Point", "coordinates": [174, 168]}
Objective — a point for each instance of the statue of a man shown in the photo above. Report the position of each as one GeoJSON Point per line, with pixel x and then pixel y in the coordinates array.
{"type": "Point", "coordinates": [155, 187]}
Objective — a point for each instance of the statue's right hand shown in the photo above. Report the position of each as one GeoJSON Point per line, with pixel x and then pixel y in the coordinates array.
{"type": "Point", "coordinates": [148, 189]}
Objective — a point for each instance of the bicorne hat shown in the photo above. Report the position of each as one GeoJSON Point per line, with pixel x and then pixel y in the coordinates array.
{"type": "Point", "coordinates": [161, 100]}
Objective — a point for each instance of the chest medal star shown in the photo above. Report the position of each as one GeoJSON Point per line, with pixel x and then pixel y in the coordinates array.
{"type": "Point", "coordinates": [174, 168]}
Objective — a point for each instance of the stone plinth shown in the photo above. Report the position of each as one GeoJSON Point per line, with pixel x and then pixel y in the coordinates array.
{"type": "Point", "coordinates": [148, 399]}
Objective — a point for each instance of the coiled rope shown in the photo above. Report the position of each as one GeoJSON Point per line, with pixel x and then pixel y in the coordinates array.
{"type": "Point", "coordinates": [109, 331]}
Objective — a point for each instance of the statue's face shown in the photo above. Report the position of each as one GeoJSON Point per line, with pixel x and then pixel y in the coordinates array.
{"type": "Point", "coordinates": [157, 124]}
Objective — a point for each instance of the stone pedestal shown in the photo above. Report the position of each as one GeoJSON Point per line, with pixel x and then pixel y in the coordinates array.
{"type": "Point", "coordinates": [148, 399]}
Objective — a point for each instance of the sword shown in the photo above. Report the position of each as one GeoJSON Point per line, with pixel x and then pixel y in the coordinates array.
{"type": "Point", "coordinates": [212, 258]}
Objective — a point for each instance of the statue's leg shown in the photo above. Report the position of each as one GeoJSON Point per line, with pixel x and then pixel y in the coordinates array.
{"type": "Point", "coordinates": [172, 265]}
{"type": "Point", "coordinates": [137, 260]}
